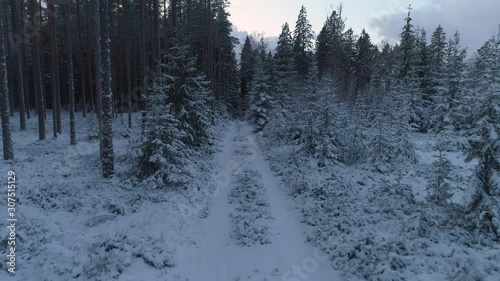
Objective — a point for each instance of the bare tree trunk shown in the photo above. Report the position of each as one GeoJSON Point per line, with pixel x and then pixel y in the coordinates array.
{"type": "Point", "coordinates": [143, 54]}
{"type": "Point", "coordinates": [98, 68]}
{"type": "Point", "coordinates": [107, 99]}
{"type": "Point", "coordinates": [69, 61]}
{"type": "Point", "coordinates": [25, 66]}
{"type": "Point", "coordinates": [42, 62]}
{"type": "Point", "coordinates": [53, 63]}
{"type": "Point", "coordinates": [18, 72]}
{"type": "Point", "coordinates": [37, 71]}
{"type": "Point", "coordinates": [156, 36]}
{"type": "Point", "coordinates": [127, 63]}
{"type": "Point", "coordinates": [82, 62]}
{"type": "Point", "coordinates": [8, 149]}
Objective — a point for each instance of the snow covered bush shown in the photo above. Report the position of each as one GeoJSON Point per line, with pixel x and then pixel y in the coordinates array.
{"type": "Point", "coordinates": [251, 210]}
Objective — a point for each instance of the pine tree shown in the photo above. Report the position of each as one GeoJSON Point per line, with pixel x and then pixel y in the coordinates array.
{"type": "Point", "coordinates": [260, 94]}
{"type": "Point", "coordinates": [283, 59]}
{"type": "Point", "coordinates": [311, 131]}
{"type": "Point", "coordinates": [69, 60]}
{"type": "Point", "coordinates": [407, 49]}
{"type": "Point", "coordinates": [485, 146]}
{"type": "Point", "coordinates": [16, 26]}
{"type": "Point", "coordinates": [437, 72]}
{"type": "Point", "coordinates": [8, 149]}
{"type": "Point", "coordinates": [302, 43]}
{"type": "Point", "coordinates": [37, 72]}
{"type": "Point", "coordinates": [246, 74]}
{"type": "Point", "coordinates": [365, 55]}
{"type": "Point", "coordinates": [438, 188]}
{"type": "Point", "coordinates": [224, 55]}
{"type": "Point", "coordinates": [107, 154]}
{"type": "Point", "coordinates": [188, 93]}
{"type": "Point", "coordinates": [161, 153]}
{"type": "Point", "coordinates": [329, 144]}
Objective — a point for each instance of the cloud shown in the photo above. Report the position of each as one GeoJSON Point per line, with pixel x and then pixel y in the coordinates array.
{"type": "Point", "coordinates": [476, 20]}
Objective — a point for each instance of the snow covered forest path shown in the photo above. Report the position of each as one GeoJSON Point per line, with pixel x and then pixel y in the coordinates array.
{"type": "Point", "coordinates": [251, 232]}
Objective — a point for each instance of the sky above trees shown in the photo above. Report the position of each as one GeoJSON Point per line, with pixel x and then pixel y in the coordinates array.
{"type": "Point", "coordinates": [476, 20]}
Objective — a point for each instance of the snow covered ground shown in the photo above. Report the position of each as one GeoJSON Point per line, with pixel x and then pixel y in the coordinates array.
{"type": "Point", "coordinates": [73, 225]}
{"type": "Point", "coordinates": [379, 226]}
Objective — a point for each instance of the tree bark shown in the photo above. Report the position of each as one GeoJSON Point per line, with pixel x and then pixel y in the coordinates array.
{"type": "Point", "coordinates": [143, 55]}
{"type": "Point", "coordinates": [53, 63]}
{"type": "Point", "coordinates": [37, 71]}
{"type": "Point", "coordinates": [98, 69]}
{"type": "Point", "coordinates": [107, 99]}
{"type": "Point", "coordinates": [82, 62]}
{"type": "Point", "coordinates": [127, 63]}
{"type": "Point", "coordinates": [8, 149]}
{"type": "Point", "coordinates": [69, 63]}
{"type": "Point", "coordinates": [18, 72]}
{"type": "Point", "coordinates": [156, 36]}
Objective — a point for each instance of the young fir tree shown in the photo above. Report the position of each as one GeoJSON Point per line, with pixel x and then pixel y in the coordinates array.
{"type": "Point", "coordinates": [438, 187]}
{"type": "Point", "coordinates": [188, 93]}
{"type": "Point", "coordinates": [8, 149]}
{"type": "Point", "coordinates": [365, 55]}
{"type": "Point", "coordinates": [260, 94]}
{"type": "Point", "coordinates": [283, 58]}
{"type": "Point", "coordinates": [328, 142]}
{"type": "Point", "coordinates": [283, 62]}
{"type": "Point", "coordinates": [247, 69]}
{"type": "Point", "coordinates": [438, 90]}
{"type": "Point", "coordinates": [455, 85]}
{"type": "Point", "coordinates": [311, 132]}
{"type": "Point", "coordinates": [160, 155]}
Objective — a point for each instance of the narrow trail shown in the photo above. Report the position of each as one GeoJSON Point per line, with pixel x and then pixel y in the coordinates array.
{"type": "Point", "coordinates": [217, 257]}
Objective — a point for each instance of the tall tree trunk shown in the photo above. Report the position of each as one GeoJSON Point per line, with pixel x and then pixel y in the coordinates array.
{"type": "Point", "coordinates": [25, 66]}
{"type": "Point", "coordinates": [37, 71]}
{"type": "Point", "coordinates": [69, 63]}
{"type": "Point", "coordinates": [143, 54]}
{"type": "Point", "coordinates": [53, 62]}
{"type": "Point", "coordinates": [127, 63]}
{"type": "Point", "coordinates": [156, 36]}
{"type": "Point", "coordinates": [8, 149]}
{"type": "Point", "coordinates": [98, 69]}
{"type": "Point", "coordinates": [107, 99]}
{"type": "Point", "coordinates": [42, 62]}
{"type": "Point", "coordinates": [82, 62]}
{"type": "Point", "coordinates": [18, 73]}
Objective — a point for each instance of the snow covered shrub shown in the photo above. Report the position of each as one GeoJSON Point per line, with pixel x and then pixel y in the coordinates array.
{"type": "Point", "coordinates": [251, 210]}
{"type": "Point", "coordinates": [108, 259]}
{"type": "Point", "coordinates": [109, 256]}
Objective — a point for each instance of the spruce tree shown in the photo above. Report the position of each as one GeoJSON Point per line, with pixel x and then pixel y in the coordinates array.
{"type": "Point", "coordinates": [188, 93]}
{"type": "Point", "coordinates": [438, 188]}
{"type": "Point", "coordinates": [260, 94]}
{"type": "Point", "coordinates": [160, 155]}
{"type": "Point", "coordinates": [484, 144]}
{"type": "Point", "coordinates": [302, 43]}
{"type": "Point", "coordinates": [247, 65]}
{"type": "Point", "coordinates": [8, 149]}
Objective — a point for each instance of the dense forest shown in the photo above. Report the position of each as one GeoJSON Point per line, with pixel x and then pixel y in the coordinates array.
{"type": "Point", "coordinates": [168, 70]}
